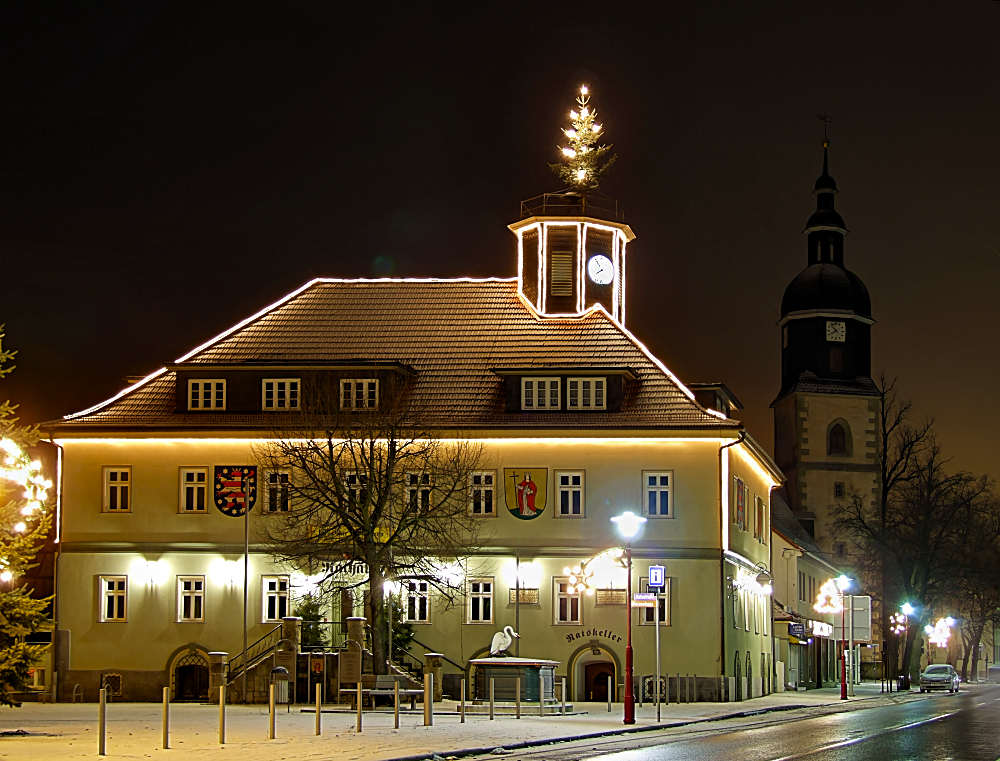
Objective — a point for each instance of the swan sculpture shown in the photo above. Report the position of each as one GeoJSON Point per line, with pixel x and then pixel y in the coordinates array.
{"type": "Point", "coordinates": [503, 640]}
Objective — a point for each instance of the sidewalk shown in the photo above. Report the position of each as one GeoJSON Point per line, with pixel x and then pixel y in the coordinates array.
{"type": "Point", "coordinates": [69, 731]}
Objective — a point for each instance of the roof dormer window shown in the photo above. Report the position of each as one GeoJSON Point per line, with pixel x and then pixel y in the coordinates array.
{"type": "Point", "coordinates": [540, 394]}
{"type": "Point", "coordinates": [586, 393]}
{"type": "Point", "coordinates": [207, 394]}
{"type": "Point", "coordinates": [359, 393]}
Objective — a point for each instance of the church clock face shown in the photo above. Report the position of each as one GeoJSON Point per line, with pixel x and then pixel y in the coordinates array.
{"type": "Point", "coordinates": [836, 330]}
{"type": "Point", "coordinates": [600, 269]}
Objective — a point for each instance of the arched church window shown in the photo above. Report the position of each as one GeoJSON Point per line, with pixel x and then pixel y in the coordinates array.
{"type": "Point", "coordinates": [838, 440]}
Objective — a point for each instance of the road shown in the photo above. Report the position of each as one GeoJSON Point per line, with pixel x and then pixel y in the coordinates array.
{"type": "Point", "coordinates": [943, 727]}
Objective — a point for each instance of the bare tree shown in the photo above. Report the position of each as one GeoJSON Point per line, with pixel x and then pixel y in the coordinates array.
{"type": "Point", "coordinates": [370, 486]}
{"type": "Point", "coordinates": [975, 581]}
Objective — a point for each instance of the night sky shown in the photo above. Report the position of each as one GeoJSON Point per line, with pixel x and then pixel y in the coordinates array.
{"type": "Point", "coordinates": [169, 168]}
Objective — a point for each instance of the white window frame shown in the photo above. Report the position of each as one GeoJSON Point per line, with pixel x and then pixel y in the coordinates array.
{"type": "Point", "coordinates": [415, 592]}
{"type": "Point", "coordinates": [360, 483]}
{"type": "Point", "coordinates": [285, 499]}
{"type": "Point", "coordinates": [560, 595]}
{"type": "Point", "coordinates": [418, 488]}
{"type": "Point", "coordinates": [569, 489]}
{"type": "Point", "coordinates": [482, 492]}
{"type": "Point", "coordinates": [191, 589]}
{"type": "Point", "coordinates": [369, 399]}
{"type": "Point", "coordinates": [474, 594]}
{"type": "Point", "coordinates": [646, 615]}
{"type": "Point", "coordinates": [112, 489]}
{"type": "Point", "coordinates": [539, 389]}
{"type": "Point", "coordinates": [197, 387]}
{"type": "Point", "coordinates": [279, 592]}
{"type": "Point", "coordinates": [119, 594]}
{"type": "Point", "coordinates": [658, 489]}
{"type": "Point", "coordinates": [587, 393]}
{"type": "Point", "coordinates": [285, 394]}
{"type": "Point", "coordinates": [194, 486]}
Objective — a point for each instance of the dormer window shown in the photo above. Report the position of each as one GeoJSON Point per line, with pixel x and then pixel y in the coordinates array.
{"type": "Point", "coordinates": [280, 394]}
{"type": "Point", "coordinates": [586, 393]}
{"type": "Point", "coordinates": [359, 393]}
{"type": "Point", "coordinates": [540, 394]}
{"type": "Point", "coordinates": [207, 394]}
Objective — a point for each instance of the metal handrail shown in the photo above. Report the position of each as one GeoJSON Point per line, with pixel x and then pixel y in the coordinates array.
{"type": "Point", "coordinates": [238, 663]}
{"type": "Point", "coordinates": [569, 203]}
{"type": "Point", "coordinates": [459, 666]}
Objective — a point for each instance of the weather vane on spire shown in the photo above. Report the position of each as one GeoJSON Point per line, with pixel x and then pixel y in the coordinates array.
{"type": "Point", "coordinates": [584, 161]}
{"type": "Point", "coordinates": [827, 121]}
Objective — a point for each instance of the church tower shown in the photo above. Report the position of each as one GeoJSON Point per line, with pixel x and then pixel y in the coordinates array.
{"type": "Point", "coordinates": [825, 412]}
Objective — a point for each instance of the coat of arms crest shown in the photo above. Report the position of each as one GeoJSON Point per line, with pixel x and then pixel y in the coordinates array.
{"type": "Point", "coordinates": [525, 489]}
{"type": "Point", "coordinates": [235, 489]}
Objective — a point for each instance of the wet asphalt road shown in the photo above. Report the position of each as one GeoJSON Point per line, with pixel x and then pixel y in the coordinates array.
{"type": "Point", "coordinates": [963, 727]}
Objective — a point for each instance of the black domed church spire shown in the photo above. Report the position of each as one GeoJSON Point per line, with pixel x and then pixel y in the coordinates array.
{"type": "Point", "coordinates": [826, 311]}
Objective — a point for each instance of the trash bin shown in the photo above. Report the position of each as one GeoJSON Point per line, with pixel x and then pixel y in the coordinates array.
{"type": "Point", "coordinates": [902, 683]}
{"type": "Point", "coordinates": [279, 678]}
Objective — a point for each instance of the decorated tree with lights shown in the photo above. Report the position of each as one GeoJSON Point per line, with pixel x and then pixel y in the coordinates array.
{"type": "Point", "coordinates": [585, 160]}
{"type": "Point", "coordinates": [24, 523]}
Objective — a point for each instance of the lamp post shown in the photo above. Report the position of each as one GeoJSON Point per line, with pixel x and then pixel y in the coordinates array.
{"type": "Point", "coordinates": [843, 584]}
{"type": "Point", "coordinates": [629, 524]}
{"type": "Point", "coordinates": [907, 610]}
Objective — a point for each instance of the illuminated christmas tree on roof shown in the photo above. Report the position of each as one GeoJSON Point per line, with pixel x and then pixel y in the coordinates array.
{"type": "Point", "coordinates": [584, 160]}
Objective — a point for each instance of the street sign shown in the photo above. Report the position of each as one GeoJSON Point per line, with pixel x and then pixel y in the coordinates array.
{"type": "Point", "coordinates": [657, 575]}
{"type": "Point", "coordinates": [797, 630]}
{"type": "Point", "coordinates": [643, 600]}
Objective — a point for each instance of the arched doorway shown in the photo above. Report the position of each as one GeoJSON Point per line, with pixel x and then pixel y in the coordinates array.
{"type": "Point", "coordinates": [189, 676]}
{"type": "Point", "coordinates": [589, 669]}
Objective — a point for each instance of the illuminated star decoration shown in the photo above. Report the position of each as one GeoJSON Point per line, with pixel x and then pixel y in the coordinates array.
{"type": "Point", "coordinates": [898, 622]}
{"type": "Point", "coordinates": [584, 160]}
{"type": "Point", "coordinates": [829, 599]}
{"type": "Point", "coordinates": [940, 633]}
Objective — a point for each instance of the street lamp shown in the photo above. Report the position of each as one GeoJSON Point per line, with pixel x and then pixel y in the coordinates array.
{"type": "Point", "coordinates": [902, 626]}
{"type": "Point", "coordinates": [830, 599]}
{"type": "Point", "coordinates": [628, 524]}
{"type": "Point", "coordinates": [843, 584]}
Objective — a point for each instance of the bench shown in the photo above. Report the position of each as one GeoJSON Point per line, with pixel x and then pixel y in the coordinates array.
{"type": "Point", "coordinates": [385, 687]}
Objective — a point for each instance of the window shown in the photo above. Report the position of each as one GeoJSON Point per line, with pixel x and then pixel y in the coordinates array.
{"type": "Point", "coordinates": [275, 593]}
{"type": "Point", "coordinates": [482, 493]}
{"type": "Point", "coordinates": [276, 496]}
{"type": "Point", "coordinates": [760, 519]}
{"type": "Point", "coordinates": [740, 499]}
{"type": "Point", "coordinates": [657, 486]}
{"type": "Point", "coordinates": [207, 394]}
{"type": "Point", "coordinates": [194, 490]}
{"type": "Point", "coordinates": [802, 586]}
{"type": "Point", "coordinates": [280, 394]}
{"type": "Point", "coordinates": [569, 488]}
{"type": "Point", "coordinates": [359, 393]}
{"type": "Point", "coordinates": [357, 483]}
{"type": "Point", "coordinates": [838, 440]}
{"type": "Point", "coordinates": [585, 393]}
{"type": "Point", "coordinates": [838, 490]}
{"type": "Point", "coordinates": [190, 599]}
{"type": "Point", "coordinates": [114, 591]}
{"type": "Point", "coordinates": [567, 604]}
{"type": "Point", "coordinates": [648, 615]}
{"type": "Point", "coordinates": [840, 550]}
{"type": "Point", "coordinates": [418, 492]}
{"type": "Point", "coordinates": [417, 602]}
{"type": "Point", "coordinates": [539, 393]}
{"type": "Point", "coordinates": [480, 597]}
{"type": "Point", "coordinates": [117, 489]}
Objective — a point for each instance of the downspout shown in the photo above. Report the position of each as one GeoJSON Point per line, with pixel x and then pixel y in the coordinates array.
{"type": "Point", "coordinates": [55, 573]}
{"type": "Point", "coordinates": [722, 556]}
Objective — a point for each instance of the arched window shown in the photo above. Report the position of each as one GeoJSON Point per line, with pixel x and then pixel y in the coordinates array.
{"type": "Point", "coordinates": [838, 439]}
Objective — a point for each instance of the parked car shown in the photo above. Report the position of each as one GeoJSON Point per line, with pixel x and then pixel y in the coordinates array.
{"type": "Point", "coordinates": [939, 676]}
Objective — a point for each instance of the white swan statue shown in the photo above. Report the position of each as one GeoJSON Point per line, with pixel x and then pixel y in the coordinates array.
{"type": "Point", "coordinates": [503, 640]}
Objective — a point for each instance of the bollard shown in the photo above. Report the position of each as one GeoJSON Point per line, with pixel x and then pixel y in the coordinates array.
{"type": "Point", "coordinates": [491, 698]}
{"type": "Point", "coordinates": [395, 704]}
{"type": "Point", "coordinates": [609, 693]}
{"type": "Point", "coordinates": [319, 709]}
{"type": "Point", "coordinates": [429, 699]}
{"type": "Point", "coordinates": [222, 714]}
{"type": "Point", "coordinates": [666, 692]}
{"type": "Point", "coordinates": [517, 698]}
{"type": "Point", "coordinates": [359, 706]}
{"type": "Point", "coordinates": [461, 710]}
{"type": "Point", "coordinates": [102, 747]}
{"type": "Point", "coordinates": [679, 700]}
{"type": "Point", "coordinates": [562, 695]}
{"type": "Point", "coordinates": [166, 718]}
{"type": "Point", "coordinates": [541, 694]}
{"type": "Point", "coordinates": [270, 712]}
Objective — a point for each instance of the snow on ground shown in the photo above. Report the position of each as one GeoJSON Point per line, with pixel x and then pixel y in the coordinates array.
{"type": "Point", "coordinates": [69, 731]}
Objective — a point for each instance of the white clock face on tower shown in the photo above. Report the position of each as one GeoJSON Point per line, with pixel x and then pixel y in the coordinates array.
{"type": "Point", "coordinates": [600, 269]}
{"type": "Point", "coordinates": [836, 330]}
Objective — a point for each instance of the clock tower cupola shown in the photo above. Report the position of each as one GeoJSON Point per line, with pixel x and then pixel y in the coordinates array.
{"type": "Point", "coordinates": [571, 243]}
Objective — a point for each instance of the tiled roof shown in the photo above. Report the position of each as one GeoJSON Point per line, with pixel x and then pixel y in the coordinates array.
{"type": "Point", "coordinates": [454, 333]}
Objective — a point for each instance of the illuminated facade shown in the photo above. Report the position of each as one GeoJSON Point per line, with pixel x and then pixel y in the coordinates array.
{"type": "Point", "coordinates": [539, 368]}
